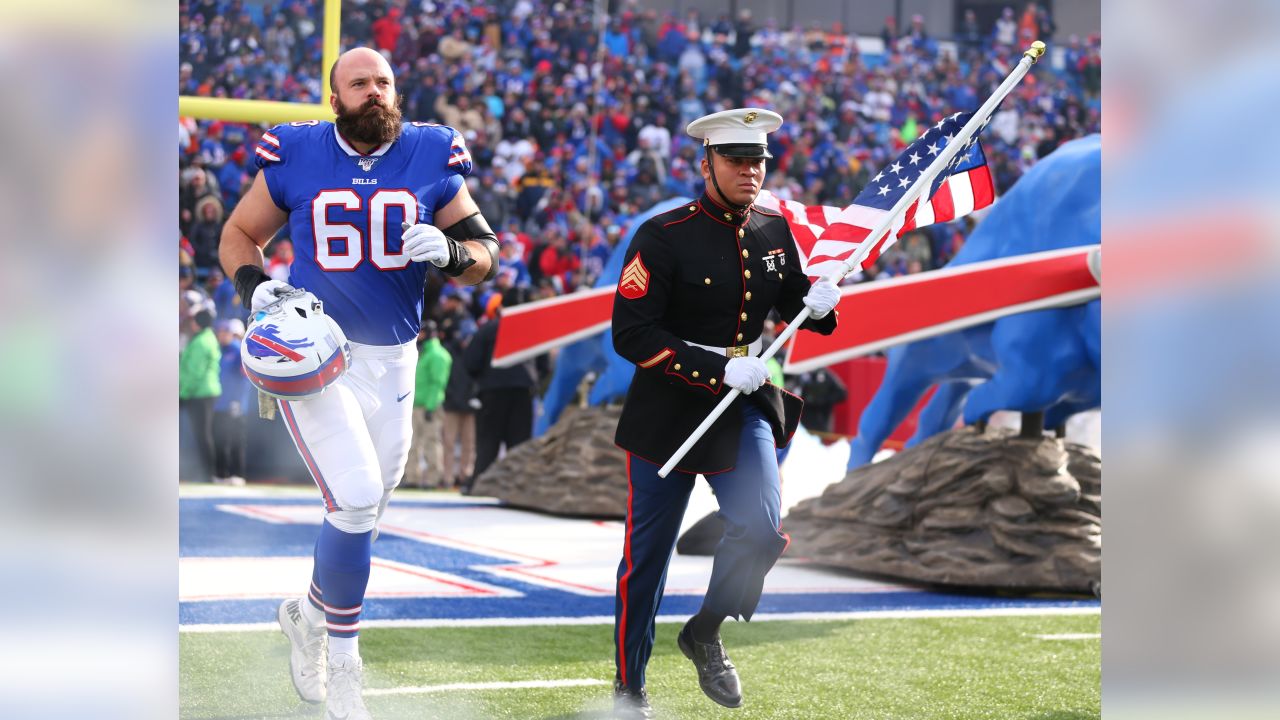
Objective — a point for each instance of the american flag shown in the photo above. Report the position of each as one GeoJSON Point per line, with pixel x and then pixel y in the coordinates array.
{"type": "Point", "coordinates": [827, 236]}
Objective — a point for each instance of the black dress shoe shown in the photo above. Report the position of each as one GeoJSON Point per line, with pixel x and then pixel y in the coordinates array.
{"type": "Point", "coordinates": [630, 704]}
{"type": "Point", "coordinates": [716, 674]}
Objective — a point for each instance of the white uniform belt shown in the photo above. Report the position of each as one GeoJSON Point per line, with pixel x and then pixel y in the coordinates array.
{"type": "Point", "coordinates": [752, 350]}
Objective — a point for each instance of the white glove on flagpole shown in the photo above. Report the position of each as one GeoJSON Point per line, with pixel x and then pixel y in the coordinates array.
{"type": "Point", "coordinates": [267, 292]}
{"type": "Point", "coordinates": [745, 373]}
{"type": "Point", "coordinates": [821, 298]}
{"type": "Point", "coordinates": [425, 243]}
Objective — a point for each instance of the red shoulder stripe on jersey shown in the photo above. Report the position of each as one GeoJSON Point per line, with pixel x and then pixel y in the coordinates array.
{"type": "Point", "coordinates": [266, 154]}
{"type": "Point", "coordinates": [271, 139]}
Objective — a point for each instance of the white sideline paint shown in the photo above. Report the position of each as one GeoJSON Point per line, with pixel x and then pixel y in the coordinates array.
{"type": "Point", "coordinates": [608, 619]}
{"type": "Point", "coordinates": [454, 687]}
{"type": "Point", "coordinates": [1070, 636]}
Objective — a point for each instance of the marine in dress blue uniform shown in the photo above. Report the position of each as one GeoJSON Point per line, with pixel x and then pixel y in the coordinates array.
{"type": "Point", "coordinates": [698, 283]}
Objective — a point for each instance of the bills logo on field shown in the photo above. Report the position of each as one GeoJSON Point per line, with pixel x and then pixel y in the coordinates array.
{"type": "Point", "coordinates": [366, 163]}
{"type": "Point", "coordinates": [635, 279]}
{"type": "Point", "coordinates": [264, 341]}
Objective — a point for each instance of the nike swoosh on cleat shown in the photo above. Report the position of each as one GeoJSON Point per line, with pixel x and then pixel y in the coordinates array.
{"type": "Point", "coordinates": [402, 397]}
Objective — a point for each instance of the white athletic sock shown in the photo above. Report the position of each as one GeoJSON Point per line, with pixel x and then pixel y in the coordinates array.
{"type": "Point", "coordinates": [348, 645]}
{"type": "Point", "coordinates": [312, 614]}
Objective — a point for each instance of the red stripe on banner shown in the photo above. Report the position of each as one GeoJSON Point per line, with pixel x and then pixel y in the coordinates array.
{"type": "Point", "coordinates": [883, 310]}
{"type": "Point", "coordinates": [944, 209]}
{"type": "Point", "coordinates": [533, 324]}
{"type": "Point", "coordinates": [984, 189]}
{"type": "Point", "coordinates": [816, 215]}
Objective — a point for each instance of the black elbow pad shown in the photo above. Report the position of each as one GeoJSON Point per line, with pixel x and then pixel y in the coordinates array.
{"type": "Point", "coordinates": [475, 227]}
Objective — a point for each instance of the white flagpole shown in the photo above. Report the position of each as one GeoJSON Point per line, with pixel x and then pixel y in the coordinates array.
{"type": "Point", "coordinates": [1029, 58]}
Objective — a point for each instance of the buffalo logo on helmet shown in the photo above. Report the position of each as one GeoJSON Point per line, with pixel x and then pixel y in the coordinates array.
{"type": "Point", "coordinates": [292, 350]}
{"type": "Point", "coordinates": [265, 342]}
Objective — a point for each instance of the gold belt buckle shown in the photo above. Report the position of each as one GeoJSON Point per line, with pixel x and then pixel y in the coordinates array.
{"type": "Point", "coordinates": [737, 351]}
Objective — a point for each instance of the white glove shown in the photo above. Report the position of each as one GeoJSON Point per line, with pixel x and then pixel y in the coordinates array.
{"type": "Point", "coordinates": [745, 373]}
{"type": "Point", "coordinates": [821, 298]}
{"type": "Point", "coordinates": [267, 292]}
{"type": "Point", "coordinates": [425, 243]}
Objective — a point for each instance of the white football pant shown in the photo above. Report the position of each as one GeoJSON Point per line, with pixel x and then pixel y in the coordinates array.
{"type": "Point", "coordinates": [354, 437]}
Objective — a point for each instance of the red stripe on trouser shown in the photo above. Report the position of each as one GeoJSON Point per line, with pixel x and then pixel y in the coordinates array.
{"type": "Point", "coordinates": [307, 458]}
{"type": "Point", "coordinates": [622, 584]}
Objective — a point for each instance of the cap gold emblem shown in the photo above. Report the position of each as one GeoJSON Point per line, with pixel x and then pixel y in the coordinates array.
{"type": "Point", "coordinates": [750, 118]}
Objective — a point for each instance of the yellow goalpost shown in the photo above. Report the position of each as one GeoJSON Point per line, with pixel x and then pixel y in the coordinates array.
{"type": "Point", "coordinates": [269, 111]}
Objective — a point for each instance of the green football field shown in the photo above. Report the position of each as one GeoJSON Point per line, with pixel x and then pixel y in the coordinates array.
{"type": "Point", "coordinates": [1042, 667]}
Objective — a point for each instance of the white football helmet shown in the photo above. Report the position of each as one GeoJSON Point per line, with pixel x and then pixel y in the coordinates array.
{"type": "Point", "coordinates": [292, 350]}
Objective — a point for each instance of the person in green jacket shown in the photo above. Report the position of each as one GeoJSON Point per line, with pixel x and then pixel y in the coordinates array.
{"type": "Point", "coordinates": [199, 386]}
{"type": "Point", "coordinates": [434, 364]}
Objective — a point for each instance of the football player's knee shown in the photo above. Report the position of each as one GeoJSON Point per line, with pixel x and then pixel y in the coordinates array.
{"type": "Point", "coordinates": [357, 494]}
{"type": "Point", "coordinates": [355, 522]}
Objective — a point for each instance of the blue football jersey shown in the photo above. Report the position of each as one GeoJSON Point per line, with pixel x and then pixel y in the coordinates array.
{"type": "Point", "coordinates": [345, 213]}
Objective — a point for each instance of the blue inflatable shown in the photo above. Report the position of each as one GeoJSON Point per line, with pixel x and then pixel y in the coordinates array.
{"type": "Point", "coordinates": [595, 354]}
{"type": "Point", "coordinates": [1043, 361]}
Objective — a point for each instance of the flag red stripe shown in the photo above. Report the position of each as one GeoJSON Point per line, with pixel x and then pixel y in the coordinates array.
{"type": "Point", "coordinates": [983, 187]}
{"type": "Point", "coordinates": [909, 221]}
{"type": "Point", "coordinates": [944, 210]}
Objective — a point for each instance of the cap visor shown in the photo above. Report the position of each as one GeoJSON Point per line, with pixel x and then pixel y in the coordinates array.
{"type": "Point", "coordinates": [743, 151]}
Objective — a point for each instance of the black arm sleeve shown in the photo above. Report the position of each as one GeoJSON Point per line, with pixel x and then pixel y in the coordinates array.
{"type": "Point", "coordinates": [472, 227]}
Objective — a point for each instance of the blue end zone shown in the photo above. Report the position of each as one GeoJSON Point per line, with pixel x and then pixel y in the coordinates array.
{"type": "Point", "coordinates": [206, 531]}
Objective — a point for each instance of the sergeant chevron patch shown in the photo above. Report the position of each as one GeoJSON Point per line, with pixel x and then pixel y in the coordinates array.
{"type": "Point", "coordinates": [635, 279]}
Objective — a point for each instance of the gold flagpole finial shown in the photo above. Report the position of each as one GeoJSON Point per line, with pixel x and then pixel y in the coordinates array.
{"type": "Point", "coordinates": [1035, 51]}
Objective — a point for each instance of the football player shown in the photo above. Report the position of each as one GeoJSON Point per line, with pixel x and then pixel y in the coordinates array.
{"type": "Point", "coordinates": [346, 189]}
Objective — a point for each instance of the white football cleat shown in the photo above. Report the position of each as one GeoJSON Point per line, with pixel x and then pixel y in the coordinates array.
{"type": "Point", "coordinates": [306, 651]}
{"type": "Point", "coordinates": [346, 683]}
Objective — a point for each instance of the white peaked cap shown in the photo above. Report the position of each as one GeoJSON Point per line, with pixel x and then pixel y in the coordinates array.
{"type": "Point", "coordinates": [740, 126]}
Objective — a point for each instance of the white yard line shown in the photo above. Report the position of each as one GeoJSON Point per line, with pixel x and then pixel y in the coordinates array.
{"type": "Point", "coordinates": [608, 619]}
{"type": "Point", "coordinates": [1070, 636]}
{"type": "Point", "coordinates": [453, 687]}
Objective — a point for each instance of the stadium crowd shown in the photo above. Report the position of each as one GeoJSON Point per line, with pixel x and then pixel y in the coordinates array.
{"type": "Point", "coordinates": [515, 77]}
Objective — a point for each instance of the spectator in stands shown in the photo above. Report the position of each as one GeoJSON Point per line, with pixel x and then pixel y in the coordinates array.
{"type": "Point", "coordinates": [281, 259]}
{"type": "Point", "coordinates": [425, 467]}
{"type": "Point", "coordinates": [492, 198]}
{"type": "Point", "coordinates": [1005, 31]}
{"type": "Point", "coordinates": [505, 418]}
{"type": "Point", "coordinates": [556, 260]}
{"type": "Point", "coordinates": [822, 391]}
{"type": "Point", "coordinates": [970, 35]}
{"type": "Point", "coordinates": [230, 410]}
{"type": "Point", "coordinates": [460, 420]}
{"type": "Point", "coordinates": [199, 387]}
{"type": "Point", "coordinates": [206, 232]}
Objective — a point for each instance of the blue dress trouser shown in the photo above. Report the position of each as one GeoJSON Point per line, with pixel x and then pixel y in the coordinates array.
{"type": "Point", "coordinates": [750, 505]}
